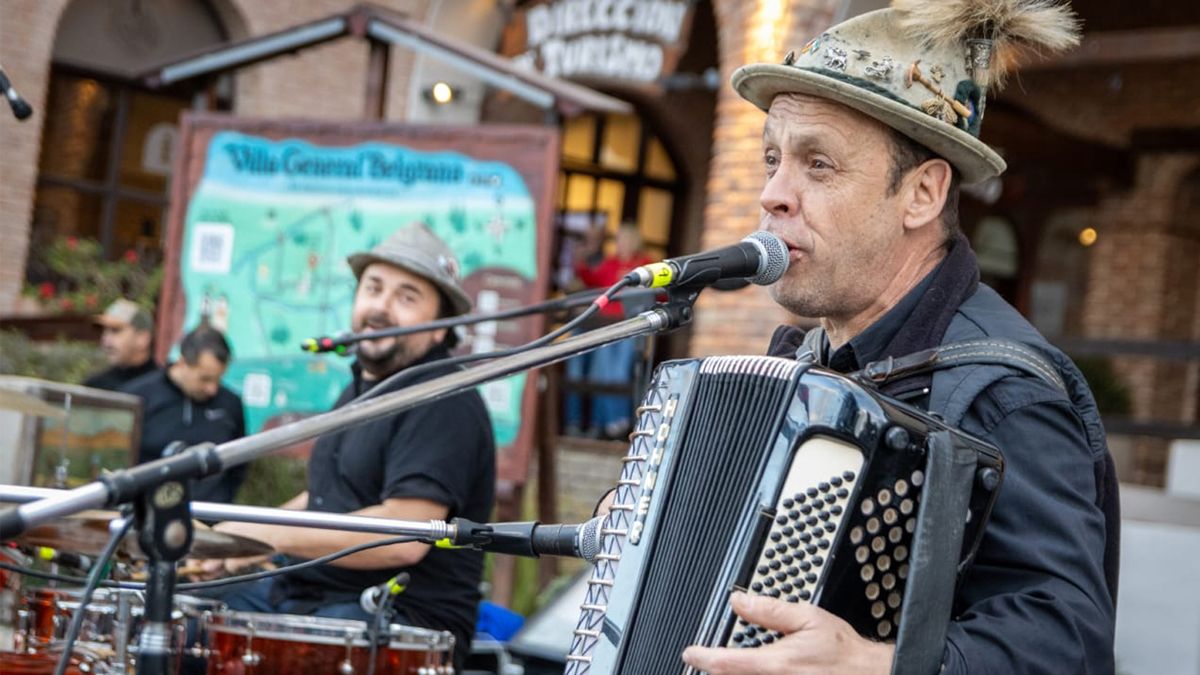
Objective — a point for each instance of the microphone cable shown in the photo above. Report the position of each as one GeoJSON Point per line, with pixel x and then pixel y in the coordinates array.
{"type": "Point", "coordinates": [93, 581]}
{"type": "Point", "coordinates": [392, 380]}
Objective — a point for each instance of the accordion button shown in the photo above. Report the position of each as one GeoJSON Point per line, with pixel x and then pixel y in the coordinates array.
{"type": "Point", "coordinates": [756, 587]}
{"type": "Point", "coordinates": [805, 565]}
{"type": "Point", "coordinates": [763, 569]}
{"type": "Point", "coordinates": [768, 582]}
{"type": "Point", "coordinates": [836, 481]}
{"type": "Point", "coordinates": [823, 544]}
{"type": "Point", "coordinates": [848, 475]}
{"type": "Point", "coordinates": [818, 560]}
{"type": "Point", "coordinates": [738, 638]}
{"type": "Point", "coordinates": [782, 547]}
{"type": "Point", "coordinates": [788, 531]}
{"type": "Point", "coordinates": [786, 560]}
{"type": "Point", "coordinates": [811, 548]}
{"type": "Point", "coordinates": [830, 527]}
{"type": "Point", "coordinates": [781, 576]}
{"type": "Point", "coordinates": [805, 509]}
{"type": "Point", "coordinates": [812, 492]}
{"type": "Point", "coordinates": [775, 536]}
{"type": "Point", "coordinates": [805, 595]}
{"type": "Point", "coordinates": [793, 598]}
{"type": "Point", "coordinates": [836, 509]}
{"type": "Point", "coordinates": [769, 553]}
{"type": "Point", "coordinates": [811, 521]}
{"type": "Point", "coordinates": [751, 631]}
{"type": "Point", "coordinates": [823, 486]}
{"type": "Point", "coordinates": [753, 643]}
{"type": "Point", "coordinates": [793, 571]}
{"type": "Point", "coordinates": [768, 639]}
{"type": "Point", "coordinates": [781, 519]}
{"type": "Point", "coordinates": [810, 578]}
{"type": "Point", "coordinates": [774, 593]}
{"type": "Point", "coordinates": [842, 493]}
{"type": "Point", "coordinates": [830, 499]}
{"type": "Point", "coordinates": [786, 588]}
{"type": "Point", "coordinates": [789, 503]}
{"type": "Point", "coordinates": [775, 564]}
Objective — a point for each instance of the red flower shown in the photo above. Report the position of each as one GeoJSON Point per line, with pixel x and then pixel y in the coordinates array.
{"type": "Point", "coordinates": [91, 300]}
{"type": "Point", "coordinates": [46, 290]}
{"type": "Point", "coordinates": [131, 255]}
{"type": "Point", "coordinates": [67, 303]}
{"type": "Point", "coordinates": [72, 243]}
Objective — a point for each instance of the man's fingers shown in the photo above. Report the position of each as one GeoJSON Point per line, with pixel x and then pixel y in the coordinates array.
{"type": "Point", "coordinates": [721, 661]}
{"type": "Point", "coordinates": [772, 614]}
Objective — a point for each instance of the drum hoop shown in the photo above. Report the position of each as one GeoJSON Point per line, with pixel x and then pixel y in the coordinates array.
{"type": "Point", "coordinates": [323, 630]}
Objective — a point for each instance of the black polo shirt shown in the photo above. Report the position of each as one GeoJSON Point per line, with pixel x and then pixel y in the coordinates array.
{"type": "Point", "coordinates": [443, 452]}
{"type": "Point", "coordinates": [168, 415]}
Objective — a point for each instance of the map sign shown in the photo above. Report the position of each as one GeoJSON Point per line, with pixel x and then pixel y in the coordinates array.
{"type": "Point", "coordinates": [263, 248]}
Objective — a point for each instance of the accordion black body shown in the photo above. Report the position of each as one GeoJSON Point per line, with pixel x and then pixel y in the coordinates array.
{"type": "Point", "coordinates": [780, 478]}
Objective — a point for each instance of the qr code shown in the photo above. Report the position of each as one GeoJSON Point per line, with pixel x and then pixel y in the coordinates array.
{"type": "Point", "coordinates": [212, 247]}
{"type": "Point", "coordinates": [256, 390]}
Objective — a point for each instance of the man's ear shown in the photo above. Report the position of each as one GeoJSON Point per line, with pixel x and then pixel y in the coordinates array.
{"type": "Point", "coordinates": [926, 190]}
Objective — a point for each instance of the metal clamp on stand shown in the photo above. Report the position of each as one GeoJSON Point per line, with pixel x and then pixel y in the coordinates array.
{"type": "Point", "coordinates": [164, 524]}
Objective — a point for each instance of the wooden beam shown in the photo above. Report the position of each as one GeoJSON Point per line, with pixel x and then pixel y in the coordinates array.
{"type": "Point", "coordinates": [1121, 47]}
{"type": "Point", "coordinates": [378, 65]}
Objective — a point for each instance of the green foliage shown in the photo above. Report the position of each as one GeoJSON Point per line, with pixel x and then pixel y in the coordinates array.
{"type": "Point", "coordinates": [272, 481]}
{"type": "Point", "coordinates": [69, 361]}
{"type": "Point", "coordinates": [86, 282]}
{"type": "Point", "coordinates": [1112, 394]}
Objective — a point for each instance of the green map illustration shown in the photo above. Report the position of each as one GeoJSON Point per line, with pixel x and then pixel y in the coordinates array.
{"type": "Point", "coordinates": [267, 234]}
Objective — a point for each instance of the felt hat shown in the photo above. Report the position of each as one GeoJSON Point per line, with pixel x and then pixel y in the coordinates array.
{"type": "Point", "coordinates": [416, 249]}
{"type": "Point", "coordinates": [922, 67]}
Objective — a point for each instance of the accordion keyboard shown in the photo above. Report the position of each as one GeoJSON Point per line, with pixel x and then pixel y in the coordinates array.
{"type": "Point", "coordinates": [808, 517]}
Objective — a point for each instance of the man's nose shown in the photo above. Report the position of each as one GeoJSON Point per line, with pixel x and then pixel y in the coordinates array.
{"type": "Point", "coordinates": [779, 197]}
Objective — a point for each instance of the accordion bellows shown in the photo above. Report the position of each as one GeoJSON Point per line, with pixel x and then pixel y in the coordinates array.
{"type": "Point", "coordinates": [774, 477]}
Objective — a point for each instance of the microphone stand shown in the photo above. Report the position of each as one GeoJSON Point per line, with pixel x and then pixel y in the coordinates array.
{"type": "Point", "coordinates": [160, 489]}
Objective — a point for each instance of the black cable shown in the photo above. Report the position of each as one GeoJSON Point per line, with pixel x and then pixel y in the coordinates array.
{"type": "Point", "coordinates": [215, 583]}
{"type": "Point", "coordinates": [93, 580]}
{"type": "Point", "coordinates": [407, 373]}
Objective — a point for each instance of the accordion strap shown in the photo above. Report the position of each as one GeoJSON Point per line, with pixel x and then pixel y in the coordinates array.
{"type": "Point", "coordinates": [983, 351]}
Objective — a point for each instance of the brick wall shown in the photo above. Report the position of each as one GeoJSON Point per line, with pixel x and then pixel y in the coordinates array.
{"type": "Point", "coordinates": [742, 322]}
{"type": "Point", "coordinates": [327, 82]}
{"type": "Point", "coordinates": [26, 38]}
{"type": "Point", "coordinates": [1142, 286]}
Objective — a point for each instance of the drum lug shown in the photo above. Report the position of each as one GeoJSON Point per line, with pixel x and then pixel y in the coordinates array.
{"type": "Point", "coordinates": [21, 637]}
{"type": "Point", "coordinates": [250, 657]}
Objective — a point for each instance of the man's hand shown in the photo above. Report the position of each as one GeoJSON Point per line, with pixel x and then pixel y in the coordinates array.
{"type": "Point", "coordinates": [814, 641]}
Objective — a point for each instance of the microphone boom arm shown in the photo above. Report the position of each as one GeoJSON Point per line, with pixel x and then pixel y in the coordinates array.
{"type": "Point", "coordinates": [206, 459]}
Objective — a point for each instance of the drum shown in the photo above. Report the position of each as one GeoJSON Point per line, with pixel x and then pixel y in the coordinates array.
{"type": "Point", "coordinates": [250, 643]}
{"type": "Point", "coordinates": [112, 623]}
{"type": "Point", "coordinates": [18, 663]}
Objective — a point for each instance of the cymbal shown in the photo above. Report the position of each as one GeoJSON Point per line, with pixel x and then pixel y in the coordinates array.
{"type": "Point", "coordinates": [87, 533]}
{"type": "Point", "coordinates": [15, 400]}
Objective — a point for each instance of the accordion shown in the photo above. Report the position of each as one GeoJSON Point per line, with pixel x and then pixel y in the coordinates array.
{"type": "Point", "coordinates": [777, 477]}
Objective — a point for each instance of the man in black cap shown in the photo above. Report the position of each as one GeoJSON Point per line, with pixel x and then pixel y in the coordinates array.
{"type": "Point", "coordinates": [126, 343]}
{"type": "Point", "coordinates": [433, 462]}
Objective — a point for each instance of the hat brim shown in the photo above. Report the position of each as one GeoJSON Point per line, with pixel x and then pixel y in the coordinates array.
{"type": "Point", "coordinates": [457, 297]}
{"type": "Point", "coordinates": [760, 83]}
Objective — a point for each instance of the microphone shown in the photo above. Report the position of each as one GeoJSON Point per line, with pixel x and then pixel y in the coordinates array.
{"type": "Point", "coordinates": [375, 598]}
{"type": "Point", "coordinates": [529, 539]}
{"type": "Point", "coordinates": [73, 560]}
{"type": "Point", "coordinates": [761, 258]}
{"type": "Point", "coordinates": [20, 107]}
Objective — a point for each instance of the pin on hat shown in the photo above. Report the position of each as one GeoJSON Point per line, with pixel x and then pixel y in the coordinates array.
{"type": "Point", "coordinates": [123, 313]}
{"type": "Point", "coordinates": [922, 67]}
{"type": "Point", "coordinates": [416, 249]}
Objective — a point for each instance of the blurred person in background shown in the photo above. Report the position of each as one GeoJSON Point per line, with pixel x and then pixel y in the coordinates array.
{"type": "Point", "coordinates": [126, 340]}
